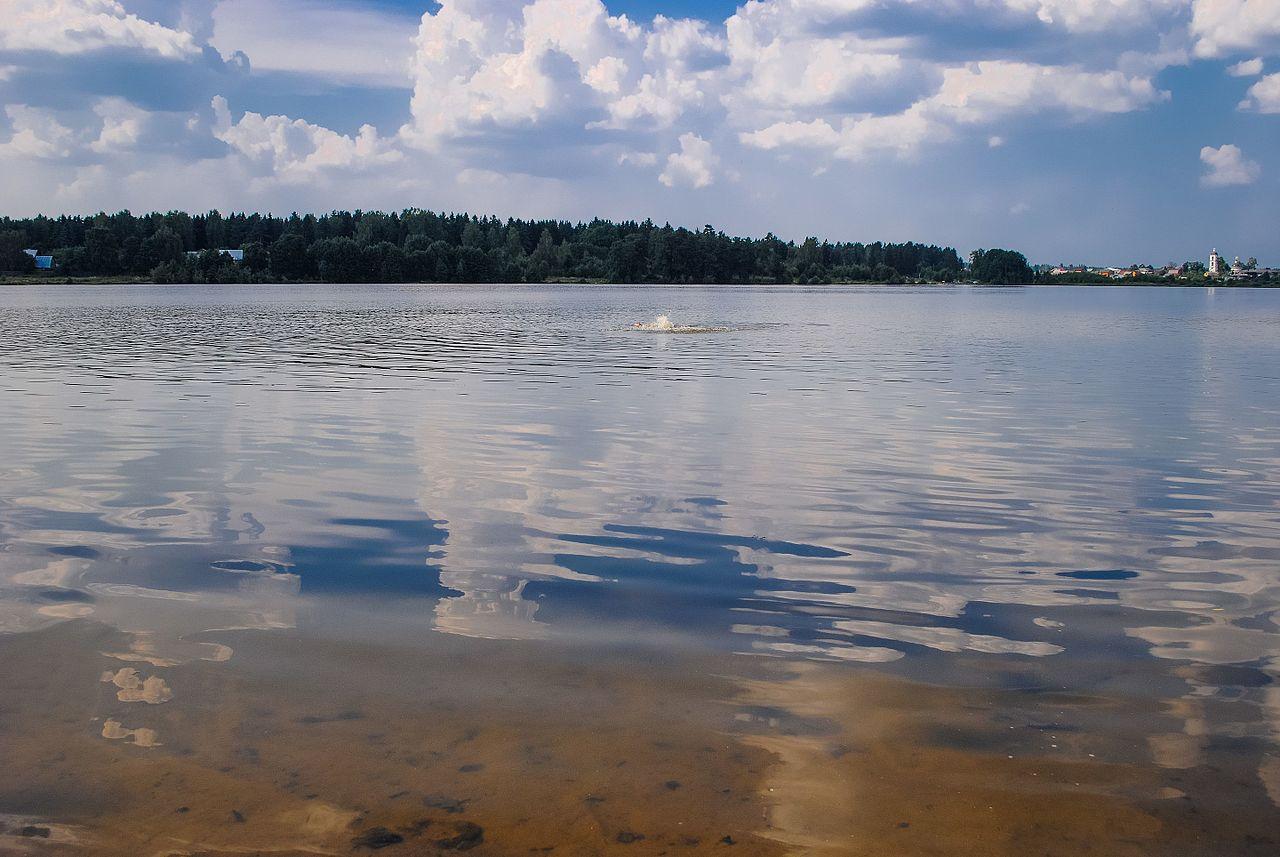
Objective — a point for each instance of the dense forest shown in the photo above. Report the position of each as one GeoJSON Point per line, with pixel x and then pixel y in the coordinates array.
{"type": "Point", "coordinates": [423, 246]}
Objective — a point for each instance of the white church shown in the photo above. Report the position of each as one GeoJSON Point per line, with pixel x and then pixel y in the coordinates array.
{"type": "Point", "coordinates": [1237, 270]}
{"type": "Point", "coordinates": [1215, 263]}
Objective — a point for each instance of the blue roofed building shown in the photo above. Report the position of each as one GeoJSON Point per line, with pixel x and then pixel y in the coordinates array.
{"type": "Point", "coordinates": [43, 263]}
{"type": "Point", "coordinates": [234, 255]}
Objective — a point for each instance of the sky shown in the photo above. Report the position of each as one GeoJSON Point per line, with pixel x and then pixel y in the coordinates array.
{"type": "Point", "coordinates": [1088, 131]}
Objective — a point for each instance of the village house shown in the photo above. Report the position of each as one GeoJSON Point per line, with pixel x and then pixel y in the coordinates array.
{"type": "Point", "coordinates": [43, 263]}
{"type": "Point", "coordinates": [235, 255]}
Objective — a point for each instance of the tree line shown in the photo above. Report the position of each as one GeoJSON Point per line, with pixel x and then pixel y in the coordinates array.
{"type": "Point", "coordinates": [424, 246]}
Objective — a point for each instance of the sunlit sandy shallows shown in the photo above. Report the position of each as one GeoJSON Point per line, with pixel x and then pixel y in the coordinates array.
{"type": "Point", "coordinates": [513, 570]}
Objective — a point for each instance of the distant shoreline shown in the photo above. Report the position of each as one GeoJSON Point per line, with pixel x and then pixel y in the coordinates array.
{"type": "Point", "coordinates": [55, 280]}
{"type": "Point", "coordinates": [417, 246]}
{"type": "Point", "coordinates": [421, 246]}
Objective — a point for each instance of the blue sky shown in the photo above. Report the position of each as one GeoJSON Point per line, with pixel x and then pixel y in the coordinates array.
{"type": "Point", "coordinates": [1104, 131]}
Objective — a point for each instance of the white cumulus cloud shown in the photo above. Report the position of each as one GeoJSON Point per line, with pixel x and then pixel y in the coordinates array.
{"type": "Point", "coordinates": [78, 26]}
{"type": "Point", "coordinates": [1263, 96]}
{"type": "Point", "coordinates": [123, 125]}
{"type": "Point", "coordinates": [1246, 68]}
{"type": "Point", "coordinates": [981, 91]}
{"type": "Point", "coordinates": [37, 133]}
{"type": "Point", "coordinates": [482, 64]}
{"type": "Point", "coordinates": [1093, 16]}
{"type": "Point", "coordinates": [1227, 26]}
{"type": "Point", "coordinates": [293, 150]}
{"type": "Point", "coordinates": [783, 58]}
{"type": "Point", "coordinates": [1226, 166]}
{"type": "Point", "coordinates": [693, 166]}
{"type": "Point", "coordinates": [974, 94]}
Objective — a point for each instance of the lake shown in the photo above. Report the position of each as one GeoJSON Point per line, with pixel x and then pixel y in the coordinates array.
{"type": "Point", "coordinates": [425, 569]}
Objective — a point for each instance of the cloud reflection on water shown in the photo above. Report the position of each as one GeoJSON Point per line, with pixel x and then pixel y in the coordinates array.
{"type": "Point", "coordinates": [907, 479]}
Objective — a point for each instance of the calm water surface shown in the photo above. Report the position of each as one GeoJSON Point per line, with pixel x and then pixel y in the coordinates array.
{"type": "Point", "coordinates": [418, 570]}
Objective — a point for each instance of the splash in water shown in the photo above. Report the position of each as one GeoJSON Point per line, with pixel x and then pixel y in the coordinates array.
{"type": "Point", "coordinates": [663, 324]}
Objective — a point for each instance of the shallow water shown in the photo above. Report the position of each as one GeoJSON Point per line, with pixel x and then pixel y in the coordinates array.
{"type": "Point", "coordinates": [432, 569]}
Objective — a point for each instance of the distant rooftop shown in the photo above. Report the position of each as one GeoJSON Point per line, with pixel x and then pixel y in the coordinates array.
{"type": "Point", "coordinates": [236, 255]}
{"type": "Point", "coordinates": [43, 263]}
